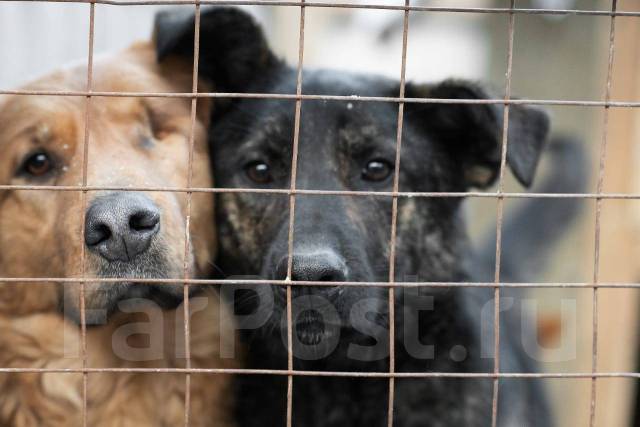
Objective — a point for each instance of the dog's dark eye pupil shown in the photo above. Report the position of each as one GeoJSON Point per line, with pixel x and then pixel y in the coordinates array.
{"type": "Point", "coordinates": [259, 172]}
{"type": "Point", "coordinates": [376, 170]}
{"type": "Point", "coordinates": [38, 164]}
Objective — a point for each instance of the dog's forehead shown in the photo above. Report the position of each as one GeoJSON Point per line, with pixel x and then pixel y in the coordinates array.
{"type": "Point", "coordinates": [133, 70]}
{"type": "Point", "coordinates": [351, 124]}
{"type": "Point", "coordinates": [38, 118]}
{"type": "Point", "coordinates": [257, 125]}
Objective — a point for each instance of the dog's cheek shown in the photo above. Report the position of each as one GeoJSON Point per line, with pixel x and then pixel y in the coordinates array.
{"type": "Point", "coordinates": [67, 245]}
{"type": "Point", "coordinates": [26, 221]}
{"type": "Point", "coordinates": [203, 232]}
{"type": "Point", "coordinates": [171, 158]}
{"type": "Point", "coordinates": [354, 213]}
{"type": "Point", "coordinates": [378, 233]}
{"type": "Point", "coordinates": [172, 230]}
{"type": "Point", "coordinates": [429, 253]}
{"type": "Point", "coordinates": [245, 227]}
{"type": "Point", "coordinates": [203, 227]}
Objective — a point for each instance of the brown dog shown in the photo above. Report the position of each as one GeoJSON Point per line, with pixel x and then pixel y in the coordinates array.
{"type": "Point", "coordinates": [133, 142]}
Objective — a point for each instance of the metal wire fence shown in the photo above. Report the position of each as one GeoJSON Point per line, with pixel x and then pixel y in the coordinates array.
{"type": "Point", "coordinates": [498, 194]}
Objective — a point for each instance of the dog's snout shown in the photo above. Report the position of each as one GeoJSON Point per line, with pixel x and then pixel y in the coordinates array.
{"type": "Point", "coordinates": [121, 226]}
{"type": "Point", "coordinates": [315, 266]}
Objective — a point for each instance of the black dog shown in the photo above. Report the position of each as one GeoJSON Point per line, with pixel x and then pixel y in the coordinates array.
{"type": "Point", "coordinates": [351, 146]}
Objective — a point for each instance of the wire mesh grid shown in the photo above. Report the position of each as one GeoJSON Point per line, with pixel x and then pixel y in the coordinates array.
{"type": "Point", "coordinates": [499, 194]}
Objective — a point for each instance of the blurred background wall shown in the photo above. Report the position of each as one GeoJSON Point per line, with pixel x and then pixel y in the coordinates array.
{"type": "Point", "coordinates": [555, 57]}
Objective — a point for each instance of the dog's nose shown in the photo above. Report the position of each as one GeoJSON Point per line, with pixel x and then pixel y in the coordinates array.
{"type": "Point", "coordinates": [315, 266]}
{"type": "Point", "coordinates": [121, 226]}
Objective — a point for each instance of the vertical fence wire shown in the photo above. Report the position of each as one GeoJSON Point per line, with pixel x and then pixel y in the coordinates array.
{"type": "Point", "coordinates": [600, 186]}
{"type": "Point", "coordinates": [292, 214]}
{"type": "Point", "coordinates": [187, 233]}
{"type": "Point", "coordinates": [499, 195]}
{"type": "Point", "coordinates": [83, 255]}
{"type": "Point", "coordinates": [500, 218]}
{"type": "Point", "coordinates": [394, 220]}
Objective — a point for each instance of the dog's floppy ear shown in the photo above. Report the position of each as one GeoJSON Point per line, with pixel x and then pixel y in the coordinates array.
{"type": "Point", "coordinates": [472, 133]}
{"type": "Point", "coordinates": [233, 49]}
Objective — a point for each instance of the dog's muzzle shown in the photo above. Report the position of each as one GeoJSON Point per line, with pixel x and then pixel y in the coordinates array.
{"type": "Point", "coordinates": [313, 265]}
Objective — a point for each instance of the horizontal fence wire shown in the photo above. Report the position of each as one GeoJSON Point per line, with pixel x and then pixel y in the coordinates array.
{"type": "Point", "coordinates": [399, 7]}
{"type": "Point", "coordinates": [407, 194]}
{"type": "Point", "coordinates": [311, 97]}
{"type": "Point", "coordinates": [397, 284]}
{"type": "Point", "coordinates": [341, 374]}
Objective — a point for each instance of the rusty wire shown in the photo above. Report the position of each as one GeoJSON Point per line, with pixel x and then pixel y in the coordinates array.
{"type": "Point", "coordinates": [499, 220]}
{"type": "Point", "coordinates": [231, 281]}
{"type": "Point", "coordinates": [408, 194]}
{"type": "Point", "coordinates": [83, 254]}
{"type": "Point", "coordinates": [187, 228]}
{"type": "Point", "coordinates": [292, 214]}
{"type": "Point", "coordinates": [394, 220]}
{"type": "Point", "coordinates": [302, 96]}
{"type": "Point", "coordinates": [596, 252]}
{"type": "Point", "coordinates": [292, 192]}
{"type": "Point", "coordinates": [331, 374]}
{"type": "Point", "coordinates": [491, 10]}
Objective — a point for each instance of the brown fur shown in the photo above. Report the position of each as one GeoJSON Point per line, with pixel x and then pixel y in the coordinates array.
{"type": "Point", "coordinates": [133, 142]}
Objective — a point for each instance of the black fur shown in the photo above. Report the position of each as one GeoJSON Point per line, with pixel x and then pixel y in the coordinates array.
{"type": "Point", "coordinates": [445, 148]}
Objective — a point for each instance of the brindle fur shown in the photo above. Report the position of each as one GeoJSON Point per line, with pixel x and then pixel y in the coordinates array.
{"type": "Point", "coordinates": [444, 148]}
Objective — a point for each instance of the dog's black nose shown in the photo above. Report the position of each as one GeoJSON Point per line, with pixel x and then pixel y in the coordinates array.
{"type": "Point", "coordinates": [121, 226]}
{"type": "Point", "coordinates": [314, 266]}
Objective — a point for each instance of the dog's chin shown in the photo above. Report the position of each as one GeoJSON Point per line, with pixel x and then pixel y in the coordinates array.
{"type": "Point", "coordinates": [102, 300]}
{"type": "Point", "coordinates": [164, 295]}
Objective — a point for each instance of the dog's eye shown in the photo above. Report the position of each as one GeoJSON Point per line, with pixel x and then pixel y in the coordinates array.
{"type": "Point", "coordinates": [259, 172]}
{"type": "Point", "coordinates": [377, 170]}
{"type": "Point", "coordinates": [38, 164]}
